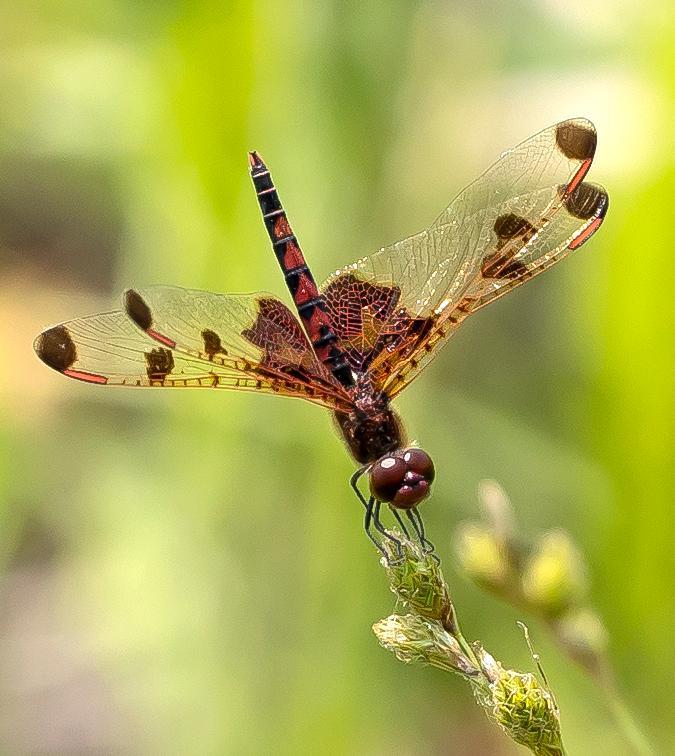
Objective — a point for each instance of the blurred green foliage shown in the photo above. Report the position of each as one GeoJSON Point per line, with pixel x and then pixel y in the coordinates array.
{"type": "Point", "coordinates": [187, 573]}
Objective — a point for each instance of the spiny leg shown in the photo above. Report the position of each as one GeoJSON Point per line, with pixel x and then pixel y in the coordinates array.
{"type": "Point", "coordinates": [370, 504]}
{"type": "Point", "coordinates": [353, 482]}
{"type": "Point", "coordinates": [381, 529]}
{"type": "Point", "coordinates": [400, 522]}
{"type": "Point", "coordinates": [372, 507]}
{"type": "Point", "coordinates": [418, 526]}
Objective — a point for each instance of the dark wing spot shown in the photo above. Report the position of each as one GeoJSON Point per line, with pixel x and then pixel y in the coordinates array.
{"type": "Point", "coordinates": [500, 264]}
{"type": "Point", "coordinates": [137, 309]}
{"type": "Point", "coordinates": [56, 348]}
{"type": "Point", "coordinates": [159, 363]}
{"type": "Point", "coordinates": [420, 328]}
{"type": "Point", "coordinates": [509, 225]}
{"type": "Point", "coordinates": [514, 269]}
{"type": "Point", "coordinates": [212, 343]}
{"type": "Point", "coordinates": [575, 141]}
{"type": "Point", "coordinates": [586, 201]}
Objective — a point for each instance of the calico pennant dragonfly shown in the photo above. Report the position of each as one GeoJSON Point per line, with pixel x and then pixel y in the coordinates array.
{"type": "Point", "coordinates": [371, 328]}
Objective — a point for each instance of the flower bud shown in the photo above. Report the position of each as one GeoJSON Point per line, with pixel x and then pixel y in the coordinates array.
{"type": "Point", "coordinates": [584, 637]}
{"type": "Point", "coordinates": [554, 575]}
{"type": "Point", "coordinates": [481, 555]}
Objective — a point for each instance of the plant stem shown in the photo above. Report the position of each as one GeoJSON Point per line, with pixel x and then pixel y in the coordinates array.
{"type": "Point", "coordinates": [625, 720]}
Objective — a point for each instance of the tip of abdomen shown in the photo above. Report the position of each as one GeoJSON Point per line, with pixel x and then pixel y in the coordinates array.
{"type": "Point", "coordinates": [255, 161]}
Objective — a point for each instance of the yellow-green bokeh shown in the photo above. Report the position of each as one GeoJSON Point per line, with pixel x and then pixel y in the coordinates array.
{"type": "Point", "coordinates": [185, 572]}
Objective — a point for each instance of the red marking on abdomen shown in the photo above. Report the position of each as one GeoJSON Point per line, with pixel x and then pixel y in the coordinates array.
{"type": "Point", "coordinates": [315, 320]}
{"type": "Point", "coordinates": [326, 352]}
{"type": "Point", "coordinates": [586, 234]}
{"type": "Point", "coordinates": [163, 339]}
{"type": "Point", "coordinates": [293, 257]}
{"type": "Point", "coordinates": [323, 353]}
{"type": "Point", "coordinates": [282, 228]}
{"type": "Point", "coordinates": [578, 177]}
{"type": "Point", "coordinates": [318, 322]}
{"type": "Point", "coordinates": [305, 290]}
{"type": "Point", "coordinates": [88, 377]}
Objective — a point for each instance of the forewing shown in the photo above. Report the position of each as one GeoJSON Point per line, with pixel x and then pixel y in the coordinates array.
{"type": "Point", "coordinates": [489, 228]}
{"type": "Point", "coordinates": [235, 331]}
{"type": "Point", "coordinates": [109, 349]}
{"type": "Point", "coordinates": [579, 217]}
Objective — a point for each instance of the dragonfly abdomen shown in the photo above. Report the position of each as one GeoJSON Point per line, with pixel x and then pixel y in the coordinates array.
{"type": "Point", "coordinates": [311, 306]}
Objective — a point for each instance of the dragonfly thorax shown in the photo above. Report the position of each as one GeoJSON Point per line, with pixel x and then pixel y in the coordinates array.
{"type": "Point", "coordinates": [371, 428]}
{"type": "Point", "coordinates": [371, 435]}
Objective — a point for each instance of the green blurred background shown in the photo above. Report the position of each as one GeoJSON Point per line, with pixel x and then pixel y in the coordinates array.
{"type": "Point", "coordinates": [185, 572]}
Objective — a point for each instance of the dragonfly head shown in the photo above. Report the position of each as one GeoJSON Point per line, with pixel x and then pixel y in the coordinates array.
{"type": "Point", "coordinates": [402, 477]}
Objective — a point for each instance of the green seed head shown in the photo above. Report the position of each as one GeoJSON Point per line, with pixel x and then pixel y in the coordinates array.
{"type": "Point", "coordinates": [525, 710]}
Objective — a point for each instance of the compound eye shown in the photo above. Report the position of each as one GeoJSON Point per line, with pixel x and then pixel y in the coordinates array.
{"type": "Point", "coordinates": [419, 476]}
{"type": "Point", "coordinates": [386, 478]}
{"type": "Point", "coordinates": [419, 462]}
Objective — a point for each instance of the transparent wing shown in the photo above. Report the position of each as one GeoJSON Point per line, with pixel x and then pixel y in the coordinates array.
{"type": "Point", "coordinates": [384, 305]}
{"type": "Point", "coordinates": [579, 218]}
{"type": "Point", "coordinates": [109, 349]}
{"type": "Point", "coordinates": [231, 330]}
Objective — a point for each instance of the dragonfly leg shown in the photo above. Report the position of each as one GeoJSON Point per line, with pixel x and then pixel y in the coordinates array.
{"type": "Point", "coordinates": [384, 532]}
{"type": "Point", "coordinates": [372, 518]}
{"type": "Point", "coordinates": [353, 482]}
{"type": "Point", "coordinates": [369, 520]}
{"type": "Point", "coordinates": [418, 526]}
{"type": "Point", "coordinates": [400, 522]}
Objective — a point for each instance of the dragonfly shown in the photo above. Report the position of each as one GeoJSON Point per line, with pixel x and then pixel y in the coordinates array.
{"type": "Point", "coordinates": [370, 329]}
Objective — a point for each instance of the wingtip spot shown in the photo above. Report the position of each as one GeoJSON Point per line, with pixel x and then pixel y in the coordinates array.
{"type": "Point", "coordinates": [56, 348]}
{"type": "Point", "coordinates": [587, 200]}
{"type": "Point", "coordinates": [576, 139]}
{"type": "Point", "coordinates": [137, 309]}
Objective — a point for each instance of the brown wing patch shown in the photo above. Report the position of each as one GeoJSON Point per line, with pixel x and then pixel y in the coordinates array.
{"type": "Point", "coordinates": [284, 344]}
{"type": "Point", "coordinates": [365, 317]}
{"type": "Point", "coordinates": [277, 333]}
{"type": "Point", "coordinates": [511, 226]}
{"type": "Point", "coordinates": [159, 363]}
{"type": "Point", "coordinates": [212, 343]}
{"type": "Point", "coordinates": [513, 232]}
{"type": "Point", "coordinates": [501, 266]}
